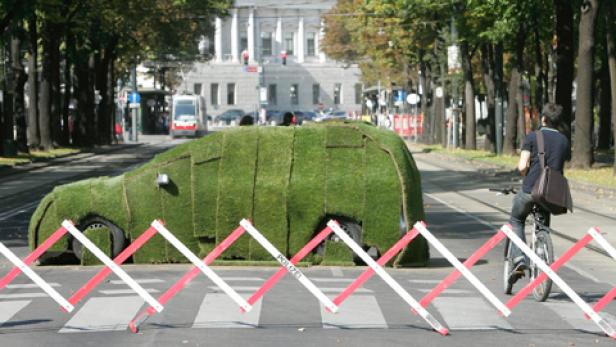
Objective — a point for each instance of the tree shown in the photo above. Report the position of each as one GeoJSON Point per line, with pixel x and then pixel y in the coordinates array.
{"type": "Point", "coordinates": [564, 61]}
{"type": "Point", "coordinates": [611, 59]}
{"type": "Point", "coordinates": [582, 155]}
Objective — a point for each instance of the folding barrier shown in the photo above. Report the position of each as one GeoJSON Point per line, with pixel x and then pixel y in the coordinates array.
{"type": "Point", "coordinates": [550, 272]}
{"type": "Point", "coordinates": [289, 266]}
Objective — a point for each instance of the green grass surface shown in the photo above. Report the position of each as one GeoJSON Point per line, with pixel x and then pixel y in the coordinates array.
{"type": "Point", "coordinates": [599, 176]}
{"type": "Point", "coordinates": [24, 158]}
{"type": "Point", "coordinates": [476, 155]}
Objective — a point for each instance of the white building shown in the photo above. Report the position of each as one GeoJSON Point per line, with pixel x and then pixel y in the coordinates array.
{"type": "Point", "coordinates": [263, 29]}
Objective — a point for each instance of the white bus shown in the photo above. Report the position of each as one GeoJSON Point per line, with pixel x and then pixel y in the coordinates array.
{"type": "Point", "coordinates": [188, 117]}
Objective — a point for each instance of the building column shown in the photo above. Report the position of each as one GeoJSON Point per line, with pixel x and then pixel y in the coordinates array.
{"type": "Point", "coordinates": [321, 36]}
{"type": "Point", "coordinates": [234, 37]}
{"type": "Point", "coordinates": [278, 38]}
{"type": "Point", "coordinates": [218, 40]}
{"type": "Point", "coordinates": [300, 40]}
{"type": "Point", "coordinates": [251, 36]}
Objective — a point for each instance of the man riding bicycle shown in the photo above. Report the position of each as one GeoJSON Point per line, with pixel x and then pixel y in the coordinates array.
{"type": "Point", "coordinates": [557, 151]}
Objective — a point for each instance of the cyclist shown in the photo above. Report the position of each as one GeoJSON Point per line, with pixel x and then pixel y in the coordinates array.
{"type": "Point", "coordinates": [557, 151]}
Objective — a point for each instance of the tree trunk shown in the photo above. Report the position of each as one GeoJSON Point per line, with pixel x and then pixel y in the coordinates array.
{"type": "Point", "coordinates": [469, 97]}
{"type": "Point", "coordinates": [539, 71]}
{"type": "Point", "coordinates": [34, 136]}
{"type": "Point", "coordinates": [487, 70]}
{"type": "Point", "coordinates": [19, 80]}
{"type": "Point", "coordinates": [605, 119]}
{"type": "Point", "coordinates": [440, 106]}
{"type": "Point", "coordinates": [509, 144]}
{"type": "Point", "coordinates": [519, 61]}
{"type": "Point", "coordinates": [582, 155]}
{"type": "Point", "coordinates": [424, 84]}
{"type": "Point", "coordinates": [103, 86]}
{"type": "Point", "coordinates": [611, 58]}
{"type": "Point", "coordinates": [54, 83]}
{"type": "Point", "coordinates": [564, 62]}
{"type": "Point", "coordinates": [45, 118]}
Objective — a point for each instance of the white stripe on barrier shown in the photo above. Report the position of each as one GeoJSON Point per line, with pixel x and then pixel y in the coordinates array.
{"type": "Point", "coordinates": [604, 325]}
{"type": "Point", "coordinates": [36, 278]}
{"type": "Point", "coordinates": [386, 277]}
{"type": "Point", "coordinates": [463, 270]}
{"type": "Point", "coordinates": [112, 266]}
{"type": "Point", "coordinates": [201, 265]}
{"type": "Point", "coordinates": [603, 242]}
{"type": "Point", "coordinates": [294, 271]}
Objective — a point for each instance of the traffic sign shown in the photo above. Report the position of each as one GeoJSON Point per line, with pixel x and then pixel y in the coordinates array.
{"type": "Point", "coordinates": [412, 99]}
{"type": "Point", "coordinates": [134, 98]}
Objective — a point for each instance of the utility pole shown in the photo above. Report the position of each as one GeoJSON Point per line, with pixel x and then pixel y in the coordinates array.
{"type": "Point", "coordinates": [133, 79]}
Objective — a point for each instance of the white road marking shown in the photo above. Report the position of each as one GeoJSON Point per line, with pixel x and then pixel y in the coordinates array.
{"type": "Point", "coordinates": [425, 281]}
{"type": "Point", "coordinates": [330, 290]}
{"type": "Point", "coordinates": [219, 311]}
{"type": "Point", "coordinates": [571, 314]}
{"type": "Point", "coordinates": [29, 285]}
{"type": "Point", "coordinates": [357, 312]}
{"type": "Point", "coordinates": [125, 291]}
{"type": "Point", "coordinates": [104, 314]}
{"type": "Point", "coordinates": [18, 210]}
{"type": "Point", "coordinates": [459, 210]}
{"type": "Point", "coordinates": [337, 272]}
{"type": "Point", "coordinates": [10, 308]}
{"type": "Point", "coordinates": [238, 288]}
{"type": "Point", "coordinates": [469, 314]}
{"type": "Point", "coordinates": [247, 279]}
{"type": "Point", "coordinates": [23, 295]}
{"type": "Point", "coordinates": [449, 291]}
{"type": "Point", "coordinates": [140, 281]}
{"type": "Point", "coordinates": [333, 280]}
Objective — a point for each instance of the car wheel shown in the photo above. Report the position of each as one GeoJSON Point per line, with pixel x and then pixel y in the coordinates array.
{"type": "Point", "coordinates": [99, 224]}
{"type": "Point", "coordinates": [353, 229]}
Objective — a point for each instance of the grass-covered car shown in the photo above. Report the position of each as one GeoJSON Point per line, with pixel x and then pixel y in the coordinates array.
{"type": "Point", "coordinates": [288, 180]}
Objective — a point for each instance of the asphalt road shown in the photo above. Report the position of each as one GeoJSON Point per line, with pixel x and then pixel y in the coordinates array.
{"type": "Point", "coordinates": [461, 212]}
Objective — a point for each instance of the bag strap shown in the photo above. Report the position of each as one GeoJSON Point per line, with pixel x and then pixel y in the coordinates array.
{"type": "Point", "coordinates": [540, 148]}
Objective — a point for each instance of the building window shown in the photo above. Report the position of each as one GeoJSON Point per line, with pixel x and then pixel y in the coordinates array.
{"type": "Point", "coordinates": [230, 93]}
{"type": "Point", "coordinates": [316, 93]}
{"type": "Point", "coordinates": [294, 92]}
{"type": "Point", "coordinates": [358, 93]}
{"type": "Point", "coordinates": [266, 43]}
{"type": "Point", "coordinates": [310, 51]}
{"type": "Point", "coordinates": [214, 93]}
{"type": "Point", "coordinates": [337, 94]}
{"type": "Point", "coordinates": [288, 43]}
{"type": "Point", "coordinates": [243, 41]}
{"type": "Point", "coordinates": [197, 88]}
{"type": "Point", "coordinates": [271, 95]}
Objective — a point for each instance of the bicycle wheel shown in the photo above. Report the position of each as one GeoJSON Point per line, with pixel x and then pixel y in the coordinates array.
{"type": "Point", "coordinates": [545, 251]}
{"type": "Point", "coordinates": [507, 267]}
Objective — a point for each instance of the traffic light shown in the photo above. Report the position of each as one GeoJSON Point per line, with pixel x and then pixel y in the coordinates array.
{"type": "Point", "coordinates": [283, 55]}
{"type": "Point", "coordinates": [245, 57]}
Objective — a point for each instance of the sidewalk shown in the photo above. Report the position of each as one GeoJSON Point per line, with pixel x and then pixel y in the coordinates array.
{"type": "Point", "coordinates": [593, 205]}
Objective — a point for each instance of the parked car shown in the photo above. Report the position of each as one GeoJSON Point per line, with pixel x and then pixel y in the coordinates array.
{"type": "Point", "coordinates": [306, 116]}
{"type": "Point", "coordinates": [232, 115]}
{"type": "Point", "coordinates": [288, 180]}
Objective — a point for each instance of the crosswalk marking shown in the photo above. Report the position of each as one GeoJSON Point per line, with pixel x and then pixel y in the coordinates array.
{"type": "Point", "coordinates": [469, 314]}
{"type": "Point", "coordinates": [23, 295]}
{"type": "Point", "coordinates": [572, 314]}
{"type": "Point", "coordinates": [140, 281]}
{"type": "Point", "coordinates": [448, 291]}
{"type": "Point", "coordinates": [104, 314]}
{"type": "Point", "coordinates": [29, 286]}
{"type": "Point", "coordinates": [357, 312]}
{"type": "Point", "coordinates": [219, 311]}
{"type": "Point", "coordinates": [9, 308]}
{"type": "Point", "coordinates": [425, 281]}
{"type": "Point", "coordinates": [329, 290]}
{"type": "Point", "coordinates": [125, 291]}
{"type": "Point", "coordinates": [330, 279]}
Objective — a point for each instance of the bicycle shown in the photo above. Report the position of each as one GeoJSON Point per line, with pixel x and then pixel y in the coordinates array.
{"type": "Point", "coordinates": [540, 243]}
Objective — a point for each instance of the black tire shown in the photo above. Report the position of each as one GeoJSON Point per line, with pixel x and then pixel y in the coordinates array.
{"type": "Point", "coordinates": [507, 267]}
{"type": "Point", "coordinates": [353, 229]}
{"type": "Point", "coordinates": [545, 251]}
{"type": "Point", "coordinates": [118, 240]}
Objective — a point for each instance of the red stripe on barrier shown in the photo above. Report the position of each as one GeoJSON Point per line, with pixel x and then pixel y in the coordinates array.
{"type": "Point", "coordinates": [32, 257]}
{"type": "Point", "coordinates": [190, 275]}
{"type": "Point", "coordinates": [395, 249]}
{"type": "Point", "coordinates": [606, 299]}
{"type": "Point", "coordinates": [283, 271]}
{"type": "Point", "coordinates": [455, 274]}
{"type": "Point", "coordinates": [119, 259]}
{"type": "Point", "coordinates": [542, 276]}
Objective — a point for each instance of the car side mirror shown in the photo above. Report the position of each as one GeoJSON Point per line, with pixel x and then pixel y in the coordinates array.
{"type": "Point", "coordinates": [162, 180]}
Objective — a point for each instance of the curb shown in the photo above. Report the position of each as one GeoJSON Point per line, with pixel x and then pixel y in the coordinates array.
{"type": "Point", "coordinates": [6, 171]}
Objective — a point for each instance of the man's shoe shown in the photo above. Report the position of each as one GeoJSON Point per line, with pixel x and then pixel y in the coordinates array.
{"type": "Point", "coordinates": [518, 271]}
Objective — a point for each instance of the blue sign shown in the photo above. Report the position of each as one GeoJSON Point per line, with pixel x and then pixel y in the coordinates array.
{"type": "Point", "coordinates": [134, 98]}
{"type": "Point", "coordinates": [400, 96]}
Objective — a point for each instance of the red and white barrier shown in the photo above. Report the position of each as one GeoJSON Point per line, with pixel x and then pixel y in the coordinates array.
{"type": "Point", "coordinates": [462, 269]}
{"type": "Point", "coordinates": [434, 323]}
{"type": "Point", "coordinates": [548, 271]}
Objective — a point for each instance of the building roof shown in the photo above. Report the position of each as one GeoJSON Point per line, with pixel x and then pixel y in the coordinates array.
{"type": "Point", "coordinates": [287, 4]}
